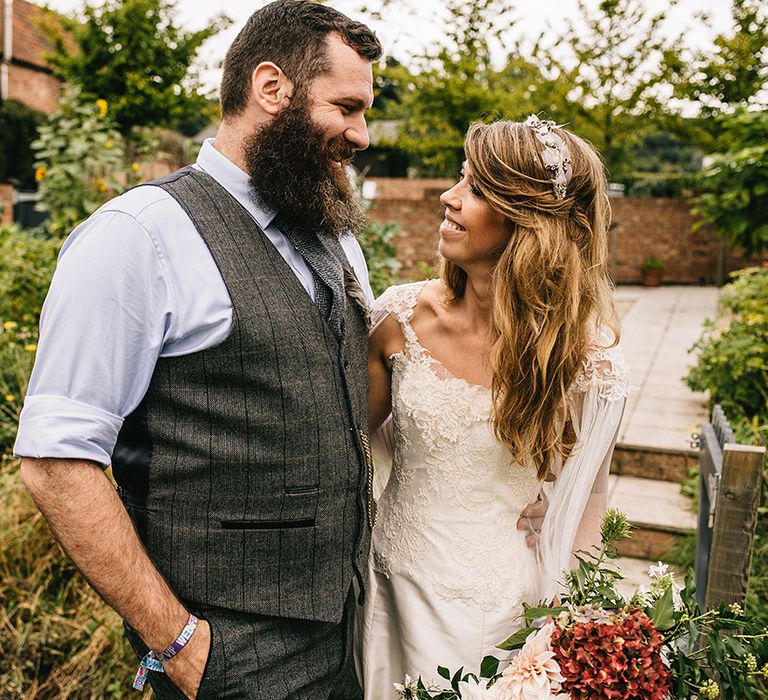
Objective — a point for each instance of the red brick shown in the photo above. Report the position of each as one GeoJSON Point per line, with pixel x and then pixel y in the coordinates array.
{"type": "Point", "coordinates": [642, 226]}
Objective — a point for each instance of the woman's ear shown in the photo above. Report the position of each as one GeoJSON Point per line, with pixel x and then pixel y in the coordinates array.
{"type": "Point", "coordinates": [270, 88]}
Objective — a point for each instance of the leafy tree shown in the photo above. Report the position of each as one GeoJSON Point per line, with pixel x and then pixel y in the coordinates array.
{"type": "Point", "coordinates": [604, 76]}
{"type": "Point", "coordinates": [18, 125]}
{"type": "Point", "coordinates": [733, 76]}
{"type": "Point", "coordinates": [133, 55]}
{"type": "Point", "coordinates": [735, 199]}
{"type": "Point", "coordinates": [454, 85]}
{"type": "Point", "coordinates": [736, 72]}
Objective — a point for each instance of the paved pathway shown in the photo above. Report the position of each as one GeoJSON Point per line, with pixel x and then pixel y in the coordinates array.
{"type": "Point", "coordinates": [659, 326]}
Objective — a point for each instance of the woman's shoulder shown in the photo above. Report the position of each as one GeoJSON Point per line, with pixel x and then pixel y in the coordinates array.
{"type": "Point", "coordinates": [603, 367]}
{"type": "Point", "coordinates": [401, 299]}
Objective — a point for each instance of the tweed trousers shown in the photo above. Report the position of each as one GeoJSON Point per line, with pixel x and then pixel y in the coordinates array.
{"type": "Point", "coordinates": [256, 657]}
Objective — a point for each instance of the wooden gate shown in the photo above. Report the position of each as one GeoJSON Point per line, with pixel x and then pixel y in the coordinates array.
{"type": "Point", "coordinates": [729, 493]}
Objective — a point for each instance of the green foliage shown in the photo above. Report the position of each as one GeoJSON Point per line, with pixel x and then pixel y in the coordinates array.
{"type": "Point", "coordinates": [27, 261]}
{"type": "Point", "coordinates": [57, 638]}
{"type": "Point", "coordinates": [133, 54]}
{"type": "Point", "coordinates": [18, 125]}
{"type": "Point", "coordinates": [80, 161]}
{"type": "Point", "coordinates": [733, 364]}
{"type": "Point", "coordinates": [453, 85]}
{"type": "Point", "coordinates": [376, 240]}
{"type": "Point", "coordinates": [652, 263]}
{"type": "Point", "coordinates": [669, 184]}
{"type": "Point", "coordinates": [736, 72]}
{"type": "Point", "coordinates": [735, 184]}
{"type": "Point", "coordinates": [604, 71]}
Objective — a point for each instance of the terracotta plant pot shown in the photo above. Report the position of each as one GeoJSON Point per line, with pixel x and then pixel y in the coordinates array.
{"type": "Point", "coordinates": [651, 277]}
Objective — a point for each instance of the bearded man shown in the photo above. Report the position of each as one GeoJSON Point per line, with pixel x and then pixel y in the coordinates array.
{"type": "Point", "coordinates": [206, 335]}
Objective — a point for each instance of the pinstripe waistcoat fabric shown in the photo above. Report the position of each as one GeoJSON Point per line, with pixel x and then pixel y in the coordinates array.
{"type": "Point", "coordinates": [253, 454]}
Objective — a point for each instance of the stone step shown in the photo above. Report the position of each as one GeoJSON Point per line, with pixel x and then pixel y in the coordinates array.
{"type": "Point", "coordinates": [635, 572]}
{"type": "Point", "coordinates": [663, 464]}
{"type": "Point", "coordinates": [659, 513]}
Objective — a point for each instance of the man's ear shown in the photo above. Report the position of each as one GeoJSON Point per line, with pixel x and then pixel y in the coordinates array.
{"type": "Point", "coordinates": [270, 88]}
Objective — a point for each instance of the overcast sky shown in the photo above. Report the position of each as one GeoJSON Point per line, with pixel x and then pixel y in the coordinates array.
{"type": "Point", "coordinates": [406, 35]}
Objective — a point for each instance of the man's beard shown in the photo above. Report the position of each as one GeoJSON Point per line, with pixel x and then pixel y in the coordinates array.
{"type": "Point", "coordinates": [295, 170]}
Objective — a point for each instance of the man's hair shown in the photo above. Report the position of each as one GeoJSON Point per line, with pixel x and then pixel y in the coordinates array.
{"type": "Point", "coordinates": [292, 34]}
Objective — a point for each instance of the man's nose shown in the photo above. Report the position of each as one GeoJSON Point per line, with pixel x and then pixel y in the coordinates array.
{"type": "Point", "coordinates": [357, 133]}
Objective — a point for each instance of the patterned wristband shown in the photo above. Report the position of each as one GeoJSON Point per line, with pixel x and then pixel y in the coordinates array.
{"type": "Point", "coordinates": [181, 641]}
{"type": "Point", "coordinates": [154, 661]}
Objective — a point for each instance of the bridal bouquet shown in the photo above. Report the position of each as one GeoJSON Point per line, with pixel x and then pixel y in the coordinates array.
{"type": "Point", "coordinates": [656, 645]}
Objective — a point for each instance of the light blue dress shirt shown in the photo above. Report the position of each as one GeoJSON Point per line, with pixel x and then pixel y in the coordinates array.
{"type": "Point", "coordinates": [134, 282]}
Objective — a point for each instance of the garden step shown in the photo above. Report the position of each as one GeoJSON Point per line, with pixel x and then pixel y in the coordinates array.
{"type": "Point", "coordinates": [635, 572]}
{"type": "Point", "coordinates": [660, 515]}
{"type": "Point", "coordinates": [663, 464]}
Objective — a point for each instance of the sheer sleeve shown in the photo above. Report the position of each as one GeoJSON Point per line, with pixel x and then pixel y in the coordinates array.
{"type": "Point", "coordinates": [578, 497]}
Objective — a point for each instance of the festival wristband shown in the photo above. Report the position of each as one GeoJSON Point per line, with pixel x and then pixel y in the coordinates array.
{"type": "Point", "coordinates": [154, 661]}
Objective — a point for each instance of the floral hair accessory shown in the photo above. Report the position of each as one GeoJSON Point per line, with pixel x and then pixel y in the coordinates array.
{"type": "Point", "coordinates": [555, 156]}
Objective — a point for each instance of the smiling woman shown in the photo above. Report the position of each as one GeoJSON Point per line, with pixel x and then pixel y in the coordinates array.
{"type": "Point", "coordinates": [499, 377]}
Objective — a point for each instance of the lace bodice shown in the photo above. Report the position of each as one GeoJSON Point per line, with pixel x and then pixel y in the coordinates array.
{"type": "Point", "coordinates": [454, 489]}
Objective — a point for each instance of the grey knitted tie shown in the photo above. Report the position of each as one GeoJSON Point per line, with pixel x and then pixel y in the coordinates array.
{"type": "Point", "coordinates": [327, 274]}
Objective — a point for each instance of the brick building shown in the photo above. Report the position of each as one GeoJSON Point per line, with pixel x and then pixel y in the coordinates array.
{"type": "Point", "coordinates": [642, 227]}
{"type": "Point", "coordinates": [24, 74]}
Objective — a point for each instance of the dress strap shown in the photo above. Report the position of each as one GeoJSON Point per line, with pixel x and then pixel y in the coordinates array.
{"type": "Point", "coordinates": [399, 301]}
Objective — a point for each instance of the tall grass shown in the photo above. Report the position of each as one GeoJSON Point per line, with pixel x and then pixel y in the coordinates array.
{"type": "Point", "coordinates": [57, 638]}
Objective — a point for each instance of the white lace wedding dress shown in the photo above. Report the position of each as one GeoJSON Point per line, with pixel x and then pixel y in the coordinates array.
{"type": "Point", "coordinates": [449, 569]}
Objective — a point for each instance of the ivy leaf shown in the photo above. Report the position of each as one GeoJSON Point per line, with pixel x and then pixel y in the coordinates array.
{"type": "Point", "coordinates": [488, 667]}
{"type": "Point", "coordinates": [663, 611]}
{"type": "Point", "coordinates": [516, 640]}
{"type": "Point", "coordinates": [444, 672]}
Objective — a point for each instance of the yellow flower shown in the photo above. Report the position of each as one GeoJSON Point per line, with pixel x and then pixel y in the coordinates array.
{"type": "Point", "coordinates": [109, 144]}
{"type": "Point", "coordinates": [10, 325]}
{"type": "Point", "coordinates": [40, 173]}
{"type": "Point", "coordinates": [135, 167]}
{"type": "Point", "coordinates": [101, 186]}
{"type": "Point", "coordinates": [710, 689]}
{"type": "Point", "coordinates": [103, 106]}
{"type": "Point", "coordinates": [9, 398]}
{"type": "Point", "coordinates": [30, 347]}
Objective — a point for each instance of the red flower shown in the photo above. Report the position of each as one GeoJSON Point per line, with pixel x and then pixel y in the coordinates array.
{"type": "Point", "coordinates": [619, 659]}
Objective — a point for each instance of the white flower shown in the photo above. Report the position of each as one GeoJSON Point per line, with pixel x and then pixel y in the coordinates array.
{"type": "Point", "coordinates": [658, 570]}
{"type": "Point", "coordinates": [407, 689]}
{"type": "Point", "coordinates": [534, 674]}
{"type": "Point", "coordinates": [478, 690]}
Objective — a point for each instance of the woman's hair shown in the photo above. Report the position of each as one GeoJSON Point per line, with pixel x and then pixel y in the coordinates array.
{"type": "Point", "coordinates": [550, 286]}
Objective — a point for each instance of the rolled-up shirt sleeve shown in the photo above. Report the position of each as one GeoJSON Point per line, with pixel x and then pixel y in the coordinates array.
{"type": "Point", "coordinates": [102, 328]}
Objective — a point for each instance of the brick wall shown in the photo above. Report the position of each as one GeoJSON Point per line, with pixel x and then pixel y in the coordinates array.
{"type": "Point", "coordinates": [642, 226]}
{"type": "Point", "coordinates": [6, 204]}
{"type": "Point", "coordinates": [35, 88]}
{"type": "Point", "coordinates": [30, 78]}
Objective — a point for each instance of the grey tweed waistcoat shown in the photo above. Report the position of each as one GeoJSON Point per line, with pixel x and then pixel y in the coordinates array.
{"type": "Point", "coordinates": [249, 461]}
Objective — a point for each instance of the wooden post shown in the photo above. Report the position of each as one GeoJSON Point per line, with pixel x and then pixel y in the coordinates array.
{"type": "Point", "coordinates": [734, 529]}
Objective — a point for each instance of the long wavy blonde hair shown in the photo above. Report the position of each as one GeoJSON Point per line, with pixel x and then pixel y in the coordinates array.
{"type": "Point", "coordinates": [551, 286]}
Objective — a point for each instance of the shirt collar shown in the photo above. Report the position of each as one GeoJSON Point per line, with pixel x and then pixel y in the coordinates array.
{"type": "Point", "coordinates": [235, 181]}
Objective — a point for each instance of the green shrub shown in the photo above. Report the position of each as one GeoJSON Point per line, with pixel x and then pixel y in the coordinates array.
{"type": "Point", "coordinates": [80, 162]}
{"type": "Point", "coordinates": [376, 240]}
{"type": "Point", "coordinates": [27, 261]}
{"type": "Point", "coordinates": [732, 365]}
{"type": "Point", "coordinates": [57, 638]}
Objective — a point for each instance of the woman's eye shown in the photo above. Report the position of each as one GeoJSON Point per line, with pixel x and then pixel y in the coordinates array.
{"type": "Point", "coordinates": [475, 190]}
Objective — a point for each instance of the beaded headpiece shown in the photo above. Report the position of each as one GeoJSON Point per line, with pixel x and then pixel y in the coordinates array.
{"type": "Point", "coordinates": [555, 156]}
